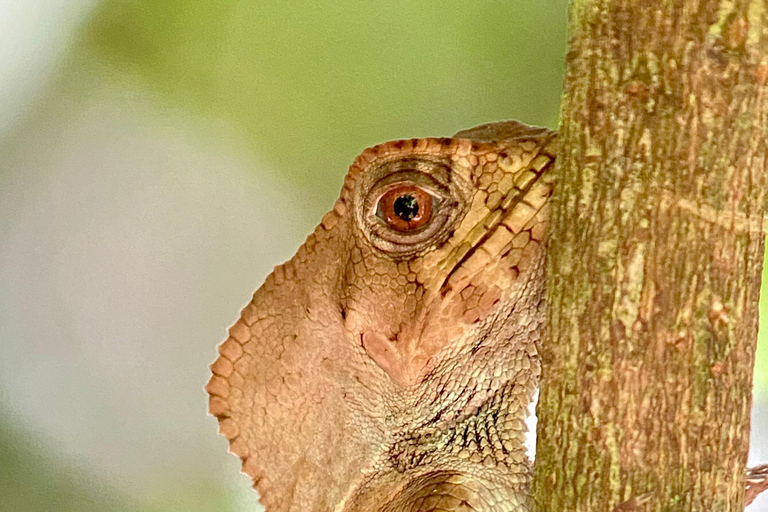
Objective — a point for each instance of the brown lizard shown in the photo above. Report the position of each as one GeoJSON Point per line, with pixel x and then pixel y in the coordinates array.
{"type": "Point", "coordinates": [390, 364]}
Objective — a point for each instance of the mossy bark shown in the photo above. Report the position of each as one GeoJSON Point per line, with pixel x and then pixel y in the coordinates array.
{"type": "Point", "coordinates": [655, 256]}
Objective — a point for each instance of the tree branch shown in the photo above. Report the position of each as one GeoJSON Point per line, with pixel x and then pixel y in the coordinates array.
{"type": "Point", "coordinates": [656, 249]}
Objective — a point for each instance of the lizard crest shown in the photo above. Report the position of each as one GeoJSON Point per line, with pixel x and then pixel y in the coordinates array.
{"type": "Point", "coordinates": [389, 365]}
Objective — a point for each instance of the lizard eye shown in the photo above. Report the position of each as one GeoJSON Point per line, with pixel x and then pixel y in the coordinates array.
{"type": "Point", "coordinates": [410, 205]}
{"type": "Point", "coordinates": [406, 207]}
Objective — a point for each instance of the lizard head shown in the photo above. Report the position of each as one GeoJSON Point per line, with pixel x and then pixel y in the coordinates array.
{"type": "Point", "coordinates": [396, 351]}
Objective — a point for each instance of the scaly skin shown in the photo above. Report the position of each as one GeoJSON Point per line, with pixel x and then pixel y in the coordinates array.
{"type": "Point", "coordinates": [391, 371]}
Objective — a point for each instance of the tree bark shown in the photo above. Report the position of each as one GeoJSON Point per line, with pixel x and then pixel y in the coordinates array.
{"type": "Point", "coordinates": [655, 255]}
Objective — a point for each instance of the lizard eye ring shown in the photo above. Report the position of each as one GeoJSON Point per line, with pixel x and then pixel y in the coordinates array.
{"type": "Point", "coordinates": [411, 208]}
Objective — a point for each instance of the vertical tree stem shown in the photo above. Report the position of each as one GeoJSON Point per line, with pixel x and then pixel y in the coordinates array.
{"type": "Point", "coordinates": [655, 257]}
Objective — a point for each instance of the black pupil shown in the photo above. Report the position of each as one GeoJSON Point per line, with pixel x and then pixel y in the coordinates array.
{"type": "Point", "coordinates": [406, 207]}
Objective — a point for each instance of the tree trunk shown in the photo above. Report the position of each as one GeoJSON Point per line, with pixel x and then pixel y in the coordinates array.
{"type": "Point", "coordinates": [655, 257]}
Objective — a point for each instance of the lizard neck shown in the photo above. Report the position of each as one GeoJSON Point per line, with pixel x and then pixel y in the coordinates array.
{"type": "Point", "coordinates": [448, 491]}
{"type": "Point", "coordinates": [468, 453]}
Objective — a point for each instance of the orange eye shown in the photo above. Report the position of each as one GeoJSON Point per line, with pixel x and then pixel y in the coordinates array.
{"type": "Point", "coordinates": [405, 208]}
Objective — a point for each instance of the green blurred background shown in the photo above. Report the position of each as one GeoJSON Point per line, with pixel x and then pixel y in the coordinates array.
{"type": "Point", "coordinates": [157, 158]}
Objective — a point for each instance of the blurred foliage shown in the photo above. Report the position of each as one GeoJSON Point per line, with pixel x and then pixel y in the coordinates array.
{"type": "Point", "coordinates": [34, 480]}
{"type": "Point", "coordinates": [34, 483]}
{"type": "Point", "coordinates": [311, 83]}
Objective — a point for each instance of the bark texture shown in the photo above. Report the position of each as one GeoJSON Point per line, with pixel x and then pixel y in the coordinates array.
{"type": "Point", "coordinates": [655, 257]}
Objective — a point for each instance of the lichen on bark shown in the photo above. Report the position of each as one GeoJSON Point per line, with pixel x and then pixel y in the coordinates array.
{"type": "Point", "coordinates": [655, 253]}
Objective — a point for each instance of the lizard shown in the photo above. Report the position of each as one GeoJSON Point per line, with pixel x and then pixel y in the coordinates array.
{"type": "Point", "coordinates": [390, 364]}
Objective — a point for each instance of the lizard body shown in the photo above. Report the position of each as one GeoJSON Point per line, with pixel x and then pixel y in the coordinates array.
{"type": "Point", "coordinates": [389, 365]}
